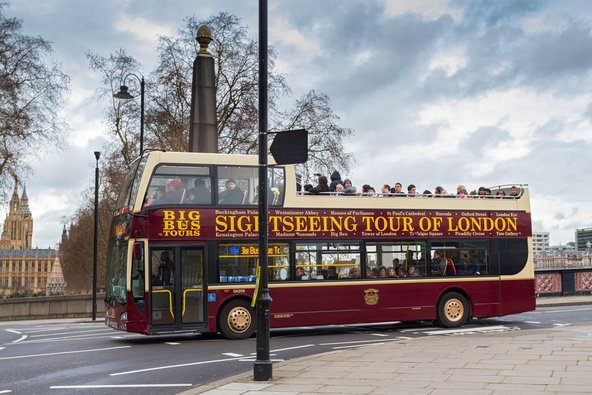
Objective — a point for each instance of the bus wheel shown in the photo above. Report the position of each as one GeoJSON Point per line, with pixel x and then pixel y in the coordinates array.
{"type": "Point", "coordinates": [237, 320]}
{"type": "Point", "coordinates": [453, 310]}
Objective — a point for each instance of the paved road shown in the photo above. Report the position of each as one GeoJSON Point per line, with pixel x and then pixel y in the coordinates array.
{"type": "Point", "coordinates": [69, 357]}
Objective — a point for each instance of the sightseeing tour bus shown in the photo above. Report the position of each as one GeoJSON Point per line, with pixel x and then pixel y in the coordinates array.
{"type": "Point", "coordinates": [183, 251]}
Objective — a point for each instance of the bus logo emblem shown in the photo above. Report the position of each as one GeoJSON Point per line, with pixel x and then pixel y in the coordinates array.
{"type": "Point", "coordinates": [371, 296]}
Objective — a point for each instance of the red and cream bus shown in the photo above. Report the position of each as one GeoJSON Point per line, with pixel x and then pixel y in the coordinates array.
{"type": "Point", "coordinates": [183, 252]}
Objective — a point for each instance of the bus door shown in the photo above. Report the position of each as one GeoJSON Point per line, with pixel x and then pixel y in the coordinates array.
{"type": "Point", "coordinates": [177, 288]}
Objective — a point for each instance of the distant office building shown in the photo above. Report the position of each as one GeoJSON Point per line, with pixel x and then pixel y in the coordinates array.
{"type": "Point", "coordinates": [540, 242]}
{"type": "Point", "coordinates": [583, 236]}
{"type": "Point", "coordinates": [25, 270]}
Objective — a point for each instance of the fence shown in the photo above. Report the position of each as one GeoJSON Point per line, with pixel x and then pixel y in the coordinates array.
{"type": "Point", "coordinates": [49, 307]}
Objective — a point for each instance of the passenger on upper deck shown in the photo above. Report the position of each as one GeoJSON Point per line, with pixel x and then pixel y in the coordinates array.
{"type": "Point", "coordinates": [233, 194]}
{"type": "Point", "coordinates": [461, 191]}
{"type": "Point", "coordinates": [411, 190]}
{"type": "Point", "coordinates": [335, 180]}
{"type": "Point", "coordinates": [514, 191]}
{"type": "Point", "coordinates": [397, 189]}
{"type": "Point", "coordinates": [323, 186]}
{"type": "Point", "coordinates": [439, 191]}
{"type": "Point", "coordinates": [348, 188]}
{"type": "Point", "coordinates": [500, 192]}
{"type": "Point", "coordinates": [200, 194]}
{"type": "Point", "coordinates": [173, 193]}
{"type": "Point", "coordinates": [386, 190]}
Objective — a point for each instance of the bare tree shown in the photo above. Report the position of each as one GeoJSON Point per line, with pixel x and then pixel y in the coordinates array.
{"type": "Point", "coordinates": [236, 68]}
{"type": "Point", "coordinates": [313, 112]}
{"type": "Point", "coordinates": [31, 90]}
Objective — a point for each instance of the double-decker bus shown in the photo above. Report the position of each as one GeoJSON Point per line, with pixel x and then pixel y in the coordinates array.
{"type": "Point", "coordinates": [183, 251]}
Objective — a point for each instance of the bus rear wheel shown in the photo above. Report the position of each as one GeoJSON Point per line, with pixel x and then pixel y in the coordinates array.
{"type": "Point", "coordinates": [237, 320]}
{"type": "Point", "coordinates": [453, 310]}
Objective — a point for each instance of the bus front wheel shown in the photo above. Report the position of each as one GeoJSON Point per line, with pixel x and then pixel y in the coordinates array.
{"type": "Point", "coordinates": [453, 310]}
{"type": "Point", "coordinates": [237, 320]}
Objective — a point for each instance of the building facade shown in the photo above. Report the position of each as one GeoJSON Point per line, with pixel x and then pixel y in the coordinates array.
{"type": "Point", "coordinates": [540, 242]}
{"type": "Point", "coordinates": [583, 237]}
{"type": "Point", "coordinates": [25, 270]}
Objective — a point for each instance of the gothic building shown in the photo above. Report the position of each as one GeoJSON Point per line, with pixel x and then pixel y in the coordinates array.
{"type": "Point", "coordinates": [26, 270]}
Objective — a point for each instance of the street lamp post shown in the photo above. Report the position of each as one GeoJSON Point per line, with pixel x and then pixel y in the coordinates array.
{"type": "Point", "coordinates": [124, 94]}
{"type": "Point", "coordinates": [95, 238]}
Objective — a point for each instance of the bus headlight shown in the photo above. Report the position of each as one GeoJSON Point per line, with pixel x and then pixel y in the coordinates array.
{"type": "Point", "coordinates": [123, 316]}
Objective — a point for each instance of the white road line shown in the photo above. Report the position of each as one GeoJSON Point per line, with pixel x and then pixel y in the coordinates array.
{"type": "Point", "coordinates": [5, 391]}
{"type": "Point", "coordinates": [61, 387]}
{"type": "Point", "coordinates": [172, 366]}
{"type": "Point", "coordinates": [72, 338]}
{"type": "Point", "coordinates": [462, 330]}
{"type": "Point", "coordinates": [565, 311]}
{"type": "Point", "coordinates": [231, 354]}
{"type": "Point", "coordinates": [13, 331]}
{"type": "Point", "coordinates": [292, 348]}
{"type": "Point", "coordinates": [172, 343]}
{"type": "Point", "coordinates": [62, 353]}
{"type": "Point", "coordinates": [532, 322]}
{"type": "Point", "coordinates": [358, 345]}
{"type": "Point", "coordinates": [379, 334]}
{"type": "Point", "coordinates": [2, 348]}
{"type": "Point", "coordinates": [404, 338]}
{"type": "Point", "coordinates": [352, 342]}
{"type": "Point", "coordinates": [562, 324]}
{"type": "Point", "coordinates": [68, 333]}
{"type": "Point", "coordinates": [254, 359]}
{"type": "Point", "coordinates": [23, 337]}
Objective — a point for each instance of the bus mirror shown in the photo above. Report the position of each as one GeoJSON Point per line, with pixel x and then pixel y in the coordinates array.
{"type": "Point", "coordinates": [138, 251]}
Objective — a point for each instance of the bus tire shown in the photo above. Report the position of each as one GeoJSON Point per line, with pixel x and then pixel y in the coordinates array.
{"type": "Point", "coordinates": [237, 320]}
{"type": "Point", "coordinates": [453, 310]}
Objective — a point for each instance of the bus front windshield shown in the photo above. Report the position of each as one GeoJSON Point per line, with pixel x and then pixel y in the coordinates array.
{"type": "Point", "coordinates": [116, 272]}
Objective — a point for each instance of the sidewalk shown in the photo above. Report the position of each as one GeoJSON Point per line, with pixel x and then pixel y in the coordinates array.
{"type": "Point", "coordinates": [550, 361]}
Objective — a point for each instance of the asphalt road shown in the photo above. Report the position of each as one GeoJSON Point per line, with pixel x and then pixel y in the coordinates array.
{"type": "Point", "coordinates": [89, 358]}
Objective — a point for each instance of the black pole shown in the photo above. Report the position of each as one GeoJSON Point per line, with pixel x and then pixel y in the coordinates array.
{"type": "Point", "coordinates": [142, 116]}
{"type": "Point", "coordinates": [95, 238]}
{"type": "Point", "coordinates": [263, 366]}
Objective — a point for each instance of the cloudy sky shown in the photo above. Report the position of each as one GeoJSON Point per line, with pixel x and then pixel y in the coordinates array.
{"type": "Point", "coordinates": [438, 92]}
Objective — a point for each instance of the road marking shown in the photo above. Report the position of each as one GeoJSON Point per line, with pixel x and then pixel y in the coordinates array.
{"type": "Point", "coordinates": [566, 310]}
{"type": "Point", "coordinates": [19, 340]}
{"type": "Point", "coordinates": [172, 343]}
{"type": "Point", "coordinates": [62, 353]}
{"type": "Point", "coordinates": [72, 338]}
{"type": "Point", "coordinates": [231, 354]}
{"type": "Point", "coordinates": [404, 337]}
{"type": "Point", "coordinates": [253, 359]}
{"type": "Point", "coordinates": [359, 345]}
{"type": "Point", "coordinates": [60, 387]}
{"type": "Point", "coordinates": [72, 332]}
{"type": "Point", "coordinates": [532, 322]}
{"type": "Point", "coordinates": [562, 324]}
{"type": "Point", "coordinates": [379, 334]}
{"type": "Point", "coordinates": [173, 366]}
{"type": "Point", "coordinates": [5, 391]}
{"type": "Point", "coordinates": [462, 330]}
{"type": "Point", "coordinates": [292, 348]}
{"type": "Point", "coordinates": [13, 331]}
{"type": "Point", "coordinates": [351, 342]}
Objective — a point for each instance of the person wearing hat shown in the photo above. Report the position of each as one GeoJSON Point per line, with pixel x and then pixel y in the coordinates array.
{"type": "Point", "coordinates": [174, 192]}
{"type": "Point", "coordinates": [348, 188]}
